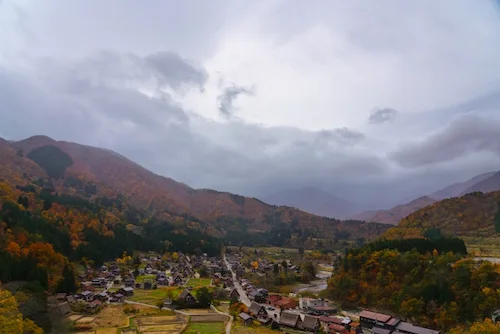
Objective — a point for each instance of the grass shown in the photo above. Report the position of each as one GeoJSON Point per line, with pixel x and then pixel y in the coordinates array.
{"type": "Point", "coordinates": [239, 328]}
{"type": "Point", "coordinates": [479, 246]}
{"type": "Point", "coordinates": [142, 278]}
{"type": "Point", "coordinates": [205, 328]}
{"type": "Point", "coordinates": [152, 297]}
{"type": "Point", "coordinates": [223, 307]}
{"type": "Point", "coordinates": [199, 282]}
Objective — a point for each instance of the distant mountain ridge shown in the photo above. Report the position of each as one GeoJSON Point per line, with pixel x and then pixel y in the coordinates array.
{"type": "Point", "coordinates": [312, 200]}
{"type": "Point", "coordinates": [485, 182]}
{"type": "Point", "coordinates": [491, 183]}
{"type": "Point", "coordinates": [394, 215]}
{"type": "Point", "coordinates": [460, 188]}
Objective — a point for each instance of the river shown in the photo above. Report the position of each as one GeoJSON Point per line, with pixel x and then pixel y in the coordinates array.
{"type": "Point", "coordinates": [317, 285]}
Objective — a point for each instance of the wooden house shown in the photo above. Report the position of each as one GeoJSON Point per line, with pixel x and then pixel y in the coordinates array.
{"type": "Point", "coordinates": [186, 297]}
{"type": "Point", "coordinates": [247, 318]}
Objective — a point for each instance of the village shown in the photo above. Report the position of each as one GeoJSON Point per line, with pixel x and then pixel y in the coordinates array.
{"type": "Point", "coordinates": [177, 292]}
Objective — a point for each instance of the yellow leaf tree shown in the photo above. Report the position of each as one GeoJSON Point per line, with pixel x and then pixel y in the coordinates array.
{"type": "Point", "coordinates": [10, 317]}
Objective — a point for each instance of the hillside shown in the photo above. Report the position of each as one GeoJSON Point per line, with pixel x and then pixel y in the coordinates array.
{"type": "Point", "coordinates": [227, 215]}
{"type": "Point", "coordinates": [394, 215]}
{"type": "Point", "coordinates": [492, 183]}
{"type": "Point", "coordinates": [312, 200]}
{"type": "Point", "coordinates": [458, 189]}
{"type": "Point", "coordinates": [470, 215]}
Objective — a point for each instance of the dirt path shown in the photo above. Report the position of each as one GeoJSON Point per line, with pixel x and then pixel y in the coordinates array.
{"type": "Point", "coordinates": [229, 323]}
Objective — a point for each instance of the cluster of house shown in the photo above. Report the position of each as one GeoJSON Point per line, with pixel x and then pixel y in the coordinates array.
{"type": "Point", "coordinates": [90, 299]}
{"type": "Point", "coordinates": [379, 323]}
{"type": "Point", "coordinates": [283, 319]}
{"type": "Point", "coordinates": [370, 322]}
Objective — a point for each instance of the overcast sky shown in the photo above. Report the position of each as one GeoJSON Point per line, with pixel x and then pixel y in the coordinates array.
{"type": "Point", "coordinates": [377, 102]}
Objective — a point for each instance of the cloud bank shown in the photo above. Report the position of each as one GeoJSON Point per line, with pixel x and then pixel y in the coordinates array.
{"type": "Point", "coordinates": [148, 85]}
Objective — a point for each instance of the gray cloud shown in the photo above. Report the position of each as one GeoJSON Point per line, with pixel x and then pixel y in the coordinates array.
{"type": "Point", "coordinates": [383, 115]}
{"type": "Point", "coordinates": [100, 105]}
{"type": "Point", "coordinates": [342, 136]}
{"type": "Point", "coordinates": [145, 103]}
{"type": "Point", "coordinates": [225, 101]}
{"type": "Point", "coordinates": [175, 69]}
{"type": "Point", "coordinates": [467, 134]}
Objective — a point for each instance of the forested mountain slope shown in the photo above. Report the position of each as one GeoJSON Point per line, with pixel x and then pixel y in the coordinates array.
{"type": "Point", "coordinates": [225, 213]}
{"type": "Point", "coordinates": [469, 215]}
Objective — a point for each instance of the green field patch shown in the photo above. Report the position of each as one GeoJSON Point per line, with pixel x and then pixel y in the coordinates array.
{"type": "Point", "coordinates": [143, 278]}
{"type": "Point", "coordinates": [199, 282]}
{"type": "Point", "coordinates": [205, 328]}
{"type": "Point", "coordinates": [152, 297]}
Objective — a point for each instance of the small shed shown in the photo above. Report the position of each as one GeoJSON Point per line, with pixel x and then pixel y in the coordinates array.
{"type": "Point", "coordinates": [247, 318]}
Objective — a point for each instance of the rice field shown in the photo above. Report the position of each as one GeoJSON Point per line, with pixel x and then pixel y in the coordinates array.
{"type": "Point", "coordinates": [205, 328]}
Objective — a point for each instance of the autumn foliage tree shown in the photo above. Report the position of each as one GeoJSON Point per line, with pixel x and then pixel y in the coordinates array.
{"type": "Point", "coordinates": [431, 289]}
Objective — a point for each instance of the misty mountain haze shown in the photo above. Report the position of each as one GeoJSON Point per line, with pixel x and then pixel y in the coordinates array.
{"type": "Point", "coordinates": [460, 188]}
{"type": "Point", "coordinates": [313, 200]}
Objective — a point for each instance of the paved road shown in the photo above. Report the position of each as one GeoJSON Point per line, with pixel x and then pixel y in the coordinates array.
{"type": "Point", "coordinates": [243, 296]}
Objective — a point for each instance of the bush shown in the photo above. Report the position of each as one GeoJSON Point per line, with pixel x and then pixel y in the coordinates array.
{"type": "Point", "coordinates": [130, 309]}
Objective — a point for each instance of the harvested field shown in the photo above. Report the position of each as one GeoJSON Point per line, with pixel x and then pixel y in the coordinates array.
{"type": "Point", "coordinates": [83, 320]}
{"type": "Point", "coordinates": [161, 324]}
{"type": "Point", "coordinates": [145, 321]}
{"type": "Point", "coordinates": [111, 316]}
{"type": "Point", "coordinates": [74, 317]}
{"type": "Point", "coordinates": [166, 329]}
{"type": "Point", "coordinates": [198, 311]}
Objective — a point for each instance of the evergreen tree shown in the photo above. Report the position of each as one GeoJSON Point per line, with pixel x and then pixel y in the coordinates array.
{"type": "Point", "coordinates": [67, 284]}
{"type": "Point", "coordinates": [497, 219]}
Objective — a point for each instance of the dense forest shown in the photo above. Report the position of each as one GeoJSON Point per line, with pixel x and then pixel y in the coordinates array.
{"type": "Point", "coordinates": [43, 231]}
{"type": "Point", "coordinates": [472, 214]}
{"type": "Point", "coordinates": [438, 288]}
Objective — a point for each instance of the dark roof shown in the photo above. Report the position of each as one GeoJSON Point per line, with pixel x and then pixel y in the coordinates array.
{"type": "Point", "coordinates": [255, 308]}
{"type": "Point", "coordinates": [393, 322]}
{"type": "Point", "coordinates": [184, 294]}
{"type": "Point", "coordinates": [245, 316]}
{"type": "Point", "coordinates": [331, 320]}
{"type": "Point", "coordinates": [407, 327]}
{"type": "Point", "coordinates": [310, 322]}
{"type": "Point", "coordinates": [376, 330]}
{"type": "Point", "coordinates": [289, 319]}
{"type": "Point", "coordinates": [264, 320]}
{"type": "Point", "coordinates": [64, 308]}
{"type": "Point", "coordinates": [375, 316]}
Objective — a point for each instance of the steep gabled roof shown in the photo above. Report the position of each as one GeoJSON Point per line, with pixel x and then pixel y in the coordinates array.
{"type": "Point", "coordinates": [289, 319]}
{"type": "Point", "coordinates": [310, 322]}
{"type": "Point", "coordinates": [255, 308]}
